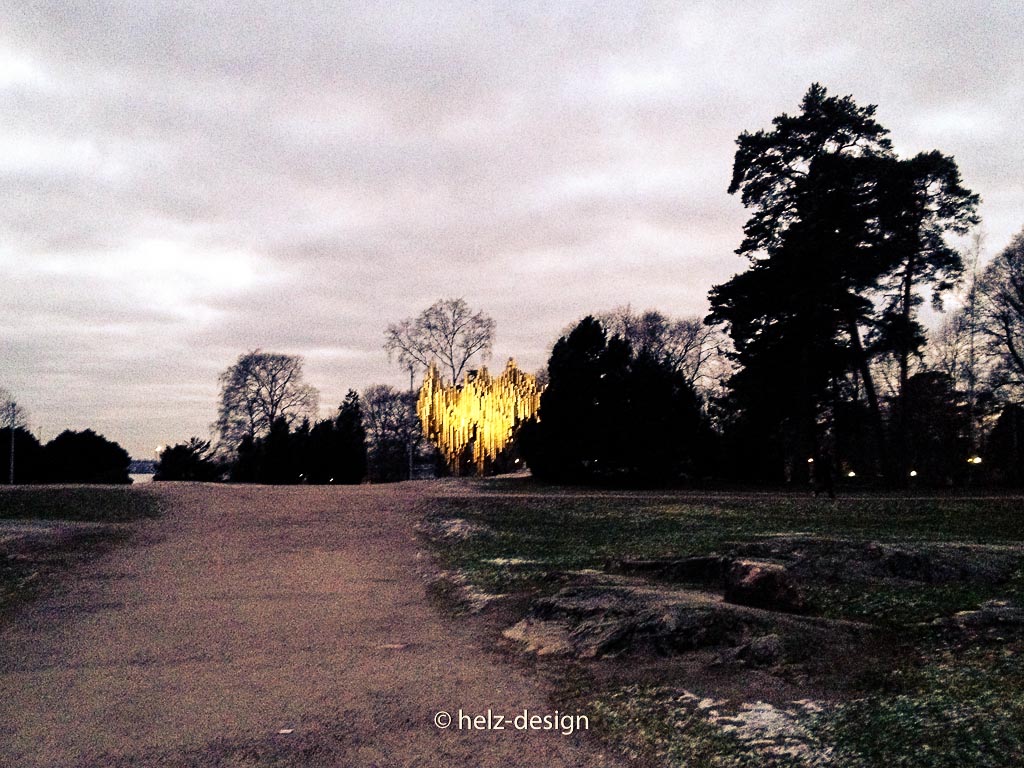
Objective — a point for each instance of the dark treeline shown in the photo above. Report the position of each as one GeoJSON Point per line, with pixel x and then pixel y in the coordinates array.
{"type": "Point", "coordinates": [267, 431]}
{"type": "Point", "coordinates": [327, 451]}
{"type": "Point", "coordinates": [830, 375]}
{"type": "Point", "coordinates": [813, 367]}
{"type": "Point", "coordinates": [613, 412]}
{"type": "Point", "coordinates": [71, 457]}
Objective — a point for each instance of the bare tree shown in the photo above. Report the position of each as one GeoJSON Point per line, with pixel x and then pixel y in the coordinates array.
{"type": "Point", "coordinates": [1002, 314]}
{"type": "Point", "coordinates": [258, 389]}
{"type": "Point", "coordinates": [685, 345]}
{"type": "Point", "coordinates": [949, 346]}
{"type": "Point", "coordinates": [448, 333]}
{"type": "Point", "coordinates": [393, 431]}
{"type": "Point", "coordinates": [13, 417]}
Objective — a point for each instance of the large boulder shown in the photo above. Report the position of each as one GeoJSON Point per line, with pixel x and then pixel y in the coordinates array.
{"type": "Point", "coordinates": [993, 617]}
{"type": "Point", "coordinates": [607, 619]}
{"type": "Point", "coordinates": [813, 558]}
{"type": "Point", "coordinates": [762, 584]}
{"type": "Point", "coordinates": [616, 615]}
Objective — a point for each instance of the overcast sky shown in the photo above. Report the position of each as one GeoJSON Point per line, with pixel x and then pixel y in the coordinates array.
{"type": "Point", "coordinates": [184, 181]}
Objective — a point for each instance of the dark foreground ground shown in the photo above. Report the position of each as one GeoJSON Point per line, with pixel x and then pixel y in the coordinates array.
{"type": "Point", "coordinates": [254, 626]}
{"type": "Point", "coordinates": [757, 629]}
{"type": "Point", "coordinates": [203, 625]}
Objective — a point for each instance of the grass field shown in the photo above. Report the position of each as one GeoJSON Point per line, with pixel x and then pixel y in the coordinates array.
{"type": "Point", "coordinates": [46, 529]}
{"type": "Point", "coordinates": [101, 503]}
{"type": "Point", "coordinates": [931, 699]}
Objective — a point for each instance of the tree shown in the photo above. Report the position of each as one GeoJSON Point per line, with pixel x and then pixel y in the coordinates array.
{"type": "Point", "coordinates": [610, 415]}
{"type": "Point", "coordinates": [85, 457]}
{"type": "Point", "coordinates": [259, 389]}
{"type": "Point", "coordinates": [448, 333]}
{"type": "Point", "coordinates": [351, 440]}
{"type": "Point", "coordinates": [837, 220]}
{"type": "Point", "coordinates": [188, 461]}
{"type": "Point", "coordinates": [13, 419]}
{"type": "Point", "coordinates": [1002, 316]}
{"type": "Point", "coordinates": [685, 345]}
{"type": "Point", "coordinates": [937, 417]}
{"type": "Point", "coordinates": [392, 430]}
{"type": "Point", "coordinates": [924, 201]}
{"type": "Point", "coordinates": [1004, 455]}
{"type": "Point", "coordinates": [794, 316]}
{"type": "Point", "coordinates": [29, 453]}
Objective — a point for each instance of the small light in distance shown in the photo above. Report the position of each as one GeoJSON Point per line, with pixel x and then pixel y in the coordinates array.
{"type": "Point", "coordinates": [851, 473]}
{"type": "Point", "coordinates": [913, 473]}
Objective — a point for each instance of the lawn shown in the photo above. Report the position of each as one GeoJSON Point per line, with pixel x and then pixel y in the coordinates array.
{"type": "Point", "coordinates": [100, 503]}
{"type": "Point", "coordinates": [46, 529]}
{"type": "Point", "coordinates": [936, 696]}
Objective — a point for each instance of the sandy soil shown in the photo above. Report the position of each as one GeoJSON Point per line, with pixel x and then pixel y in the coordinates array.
{"type": "Point", "coordinates": [255, 626]}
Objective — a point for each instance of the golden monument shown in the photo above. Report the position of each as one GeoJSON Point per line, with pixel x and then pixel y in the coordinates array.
{"type": "Point", "coordinates": [484, 411]}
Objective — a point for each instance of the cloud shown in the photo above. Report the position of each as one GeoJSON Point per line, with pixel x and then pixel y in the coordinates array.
{"type": "Point", "coordinates": [184, 182]}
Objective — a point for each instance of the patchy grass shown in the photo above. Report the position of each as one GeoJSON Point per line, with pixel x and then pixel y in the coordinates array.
{"type": "Point", "coordinates": [932, 703]}
{"type": "Point", "coordinates": [557, 532]}
{"type": "Point", "coordinates": [673, 727]}
{"type": "Point", "coordinates": [907, 606]}
{"type": "Point", "coordinates": [45, 530]}
{"type": "Point", "coordinates": [105, 504]}
{"type": "Point", "coordinates": [965, 709]}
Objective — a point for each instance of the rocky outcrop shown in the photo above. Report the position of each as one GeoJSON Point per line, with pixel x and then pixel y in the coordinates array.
{"type": "Point", "coordinates": [707, 569]}
{"type": "Point", "coordinates": [763, 584]}
{"type": "Point", "coordinates": [608, 619]}
{"type": "Point", "coordinates": [993, 617]}
{"type": "Point", "coordinates": [808, 557]}
{"type": "Point", "coordinates": [612, 616]}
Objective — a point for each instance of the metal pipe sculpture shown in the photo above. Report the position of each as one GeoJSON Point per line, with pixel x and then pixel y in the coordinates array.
{"type": "Point", "coordinates": [482, 411]}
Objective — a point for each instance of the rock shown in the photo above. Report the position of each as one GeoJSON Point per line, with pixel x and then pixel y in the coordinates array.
{"type": "Point", "coordinates": [847, 560]}
{"type": "Point", "coordinates": [608, 619]}
{"type": "Point", "coordinates": [707, 569]}
{"type": "Point", "coordinates": [617, 615]}
{"type": "Point", "coordinates": [763, 585]}
{"type": "Point", "coordinates": [764, 651]}
{"type": "Point", "coordinates": [992, 614]}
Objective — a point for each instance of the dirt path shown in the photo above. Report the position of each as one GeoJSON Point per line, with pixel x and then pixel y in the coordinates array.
{"type": "Point", "coordinates": [248, 611]}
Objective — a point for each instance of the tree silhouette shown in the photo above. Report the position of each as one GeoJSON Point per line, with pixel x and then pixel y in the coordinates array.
{"type": "Point", "coordinates": [836, 220]}
{"type": "Point", "coordinates": [611, 416]}
{"type": "Point", "coordinates": [85, 457]}
{"type": "Point", "coordinates": [1002, 292]}
{"type": "Point", "coordinates": [257, 390]}
{"type": "Point", "coordinates": [188, 461]}
{"type": "Point", "coordinates": [351, 440]}
{"type": "Point", "coordinates": [448, 333]}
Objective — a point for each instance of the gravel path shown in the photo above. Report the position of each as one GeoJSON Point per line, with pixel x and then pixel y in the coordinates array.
{"type": "Point", "coordinates": [256, 626]}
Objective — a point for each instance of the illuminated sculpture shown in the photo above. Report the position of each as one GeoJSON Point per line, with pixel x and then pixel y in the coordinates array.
{"type": "Point", "coordinates": [484, 411]}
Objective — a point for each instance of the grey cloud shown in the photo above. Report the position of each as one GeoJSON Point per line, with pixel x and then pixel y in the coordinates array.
{"type": "Point", "coordinates": [328, 168]}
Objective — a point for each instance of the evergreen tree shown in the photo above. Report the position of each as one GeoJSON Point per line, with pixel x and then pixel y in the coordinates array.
{"type": "Point", "coordinates": [836, 222]}
{"type": "Point", "coordinates": [611, 416]}
{"type": "Point", "coordinates": [85, 457]}
{"type": "Point", "coordinates": [350, 466]}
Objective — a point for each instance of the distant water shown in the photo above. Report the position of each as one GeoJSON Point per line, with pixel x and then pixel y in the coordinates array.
{"type": "Point", "coordinates": [141, 478]}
